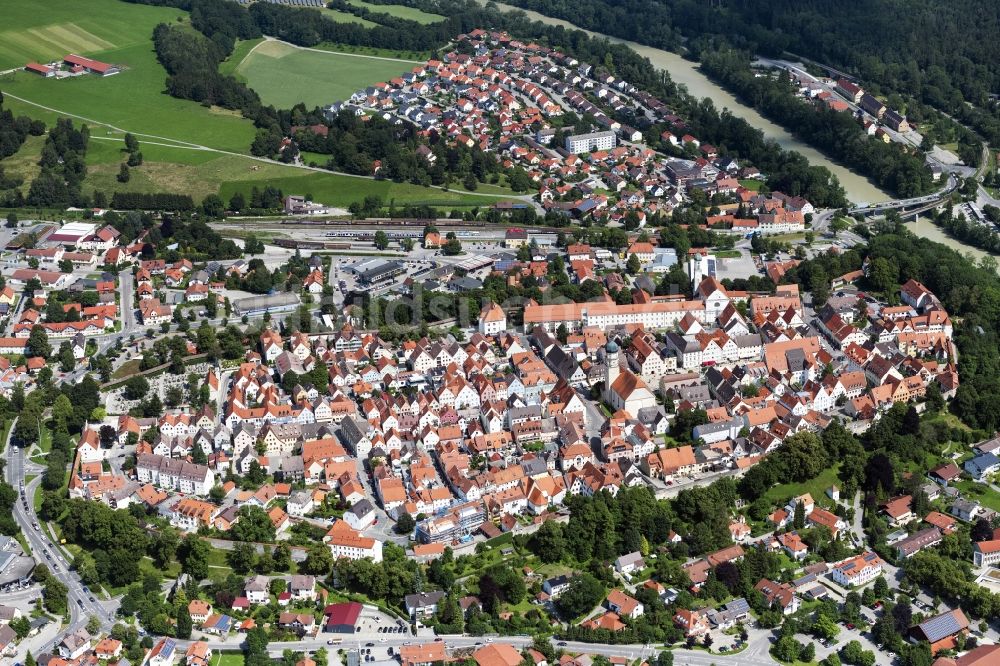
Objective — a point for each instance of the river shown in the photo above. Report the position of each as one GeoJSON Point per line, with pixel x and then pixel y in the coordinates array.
{"type": "Point", "coordinates": [924, 228]}
{"type": "Point", "coordinates": [857, 188]}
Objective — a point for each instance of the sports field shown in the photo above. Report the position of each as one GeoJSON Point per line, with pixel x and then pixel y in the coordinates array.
{"type": "Point", "coordinates": [47, 31]}
{"type": "Point", "coordinates": [284, 75]}
{"type": "Point", "coordinates": [400, 11]}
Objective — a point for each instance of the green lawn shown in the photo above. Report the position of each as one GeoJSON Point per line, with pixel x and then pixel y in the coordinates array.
{"type": "Point", "coordinates": [197, 173]}
{"type": "Point", "coordinates": [341, 191]}
{"type": "Point", "coordinates": [51, 30]}
{"type": "Point", "coordinates": [400, 11]}
{"type": "Point", "coordinates": [8, 424]}
{"type": "Point", "coordinates": [979, 492]}
{"type": "Point", "coordinates": [284, 75]}
{"type": "Point", "coordinates": [127, 368]}
{"type": "Point", "coordinates": [45, 440]}
{"type": "Point", "coordinates": [24, 163]}
{"type": "Point", "coordinates": [346, 17]}
{"type": "Point", "coordinates": [751, 184]}
{"type": "Point", "coordinates": [815, 487]}
{"type": "Point", "coordinates": [221, 658]}
{"type": "Point", "coordinates": [36, 499]}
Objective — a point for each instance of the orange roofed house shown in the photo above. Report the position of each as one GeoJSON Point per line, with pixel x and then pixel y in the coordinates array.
{"type": "Point", "coordinates": [497, 654]}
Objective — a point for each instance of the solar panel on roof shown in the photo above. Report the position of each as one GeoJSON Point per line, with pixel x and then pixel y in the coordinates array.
{"type": "Point", "coordinates": [941, 626]}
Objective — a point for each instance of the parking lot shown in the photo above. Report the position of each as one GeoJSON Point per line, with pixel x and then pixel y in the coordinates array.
{"type": "Point", "coordinates": [374, 622]}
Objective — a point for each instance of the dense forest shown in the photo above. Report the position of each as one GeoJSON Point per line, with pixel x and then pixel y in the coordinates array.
{"type": "Point", "coordinates": [151, 201]}
{"type": "Point", "coordinates": [192, 62]}
{"type": "Point", "coordinates": [15, 129]}
{"type": "Point", "coordinates": [838, 134]}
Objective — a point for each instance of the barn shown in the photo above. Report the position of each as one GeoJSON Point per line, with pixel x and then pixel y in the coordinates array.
{"type": "Point", "coordinates": [92, 66]}
{"type": "Point", "coordinates": [41, 70]}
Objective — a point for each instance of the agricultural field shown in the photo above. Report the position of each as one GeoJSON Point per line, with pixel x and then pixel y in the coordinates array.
{"type": "Point", "coordinates": [400, 11]}
{"type": "Point", "coordinates": [284, 75]}
{"type": "Point", "coordinates": [30, 31]}
{"type": "Point", "coordinates": [186, 147]}
{"type": "Point", "coordinates": [243, 47]}
{"type": "Point", "coordinates": [133, 100]}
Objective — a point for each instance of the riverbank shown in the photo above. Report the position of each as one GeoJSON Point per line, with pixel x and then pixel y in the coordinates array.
{"type": "Point", "coordinates": [924, 228]}
{"type": "Point", "coordinates": [687, 73]}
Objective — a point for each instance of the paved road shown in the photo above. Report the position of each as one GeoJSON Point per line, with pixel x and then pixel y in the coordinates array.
{"type": "Point", "coordinates": [856, 523]}
{"type": "Point", "coordinates": [755, 655]}
{"type": "Point", "coordinates": [43, 546]}
{"type": "Point", "coordinates": [126, 283]}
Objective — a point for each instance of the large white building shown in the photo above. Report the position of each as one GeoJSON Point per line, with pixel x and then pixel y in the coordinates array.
{"type": "Point", "coordinates": [174, 474]}
{"type": "Point", "coordinates": [492, 320]}
{"type": "Point", "coordinates": [584, 143]}
{"type": "Point", "coordinates": [986, 553]}
{"type": "Point", "coordinates": [345, 541]}
{"type": "Point", "coordinates": [71, 233]}
{"type": "Point", "coordinates": [651, 316]}
{"type": "Point", "coordinates": [858, 570]}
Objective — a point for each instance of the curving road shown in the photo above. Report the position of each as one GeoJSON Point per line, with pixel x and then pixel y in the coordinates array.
{"type": "Point", "coordinates": [45, 550]}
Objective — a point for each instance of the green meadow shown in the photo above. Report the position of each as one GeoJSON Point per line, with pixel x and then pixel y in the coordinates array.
{"type": "Point", "coordinates": [47, 31]}
{"type": "Point", "coordinates": [400, 11]}
{"type": "Point", "coordinates": [186, 147]}
{"type": "Point", "coordinates": [284, 75]}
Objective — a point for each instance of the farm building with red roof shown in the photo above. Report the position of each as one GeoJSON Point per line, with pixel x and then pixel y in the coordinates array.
{"type": "Point", "coordinates": [93, 66]}
{"type": "Point", "coordinates": [43, 70]}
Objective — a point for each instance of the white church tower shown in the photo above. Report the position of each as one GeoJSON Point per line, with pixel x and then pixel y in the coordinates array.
{"type": "Point", "coordinates": [613, 369]}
